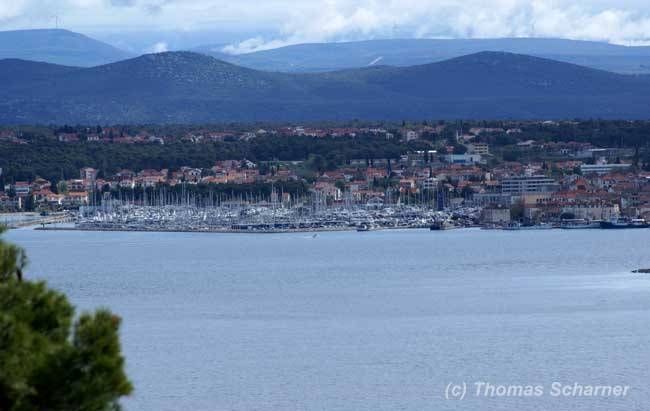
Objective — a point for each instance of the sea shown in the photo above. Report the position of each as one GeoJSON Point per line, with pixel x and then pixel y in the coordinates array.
{"type": "Point", "coordinates": [464, 319]}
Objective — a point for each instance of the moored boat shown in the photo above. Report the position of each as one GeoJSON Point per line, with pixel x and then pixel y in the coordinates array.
{"type": "Point", "coordinates": [512, 226]}
{"type": "Point", "coordinates": [622, 222]}
{"type": "Point", "coordinates": [579, 224]}
{"type": "Point", "coordinates": [541, 226]}
{"type": "Point", "coordinates": [367, 227]}
{"type": "Point", "coordinates": [441, 225]}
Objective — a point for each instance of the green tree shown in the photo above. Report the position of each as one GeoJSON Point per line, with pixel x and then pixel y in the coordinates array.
{"type": "Point", "coordinates": [29, 203]}
{"type": "Point", "coordinates": [517, 211]}
{"type": "Point", "coordinates": [12, 261]}
{"type": "Point", "coordinates": [49, 363]}
{"type": "Point", "coordinates": [62, 187]}
{"type": "Point", "coordinates": [316, 163]}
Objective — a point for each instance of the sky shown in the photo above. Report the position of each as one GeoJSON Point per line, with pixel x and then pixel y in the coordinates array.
{"type": "Point", "coordinates": [237, 26]}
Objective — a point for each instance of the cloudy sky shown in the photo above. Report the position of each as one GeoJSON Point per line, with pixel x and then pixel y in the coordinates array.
{"type": "Point", "coordinates": [245, 25]}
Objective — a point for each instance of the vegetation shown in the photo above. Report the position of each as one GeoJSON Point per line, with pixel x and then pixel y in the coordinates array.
{"type": "Point", "coordinates": [46, 157]}
{"type": "Point", "coordinates": [185, 87]}
{"type": "Point", "coordinates": [54, 161]}
{"type": "Point", "coordinates": [49, 363]}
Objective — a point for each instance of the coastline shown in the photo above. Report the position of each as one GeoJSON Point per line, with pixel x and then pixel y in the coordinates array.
{"type": "Point", "coordinates": [36, 221]}
{"type": "Point", "coordinates": [189, 230]}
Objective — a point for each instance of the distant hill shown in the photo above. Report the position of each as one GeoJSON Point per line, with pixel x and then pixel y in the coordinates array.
{"type": "Point", "coordinates": [184, 87]}
{"type": "Point", "coordinates": [24, 71]}
{"type": "Point", "coordinates": [59, 47]}
{"type": "Point", "coordinates": [409, 52]}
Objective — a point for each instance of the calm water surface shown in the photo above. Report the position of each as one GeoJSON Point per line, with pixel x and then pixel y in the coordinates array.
{"type": "Point", "coordinates": [363, 321]}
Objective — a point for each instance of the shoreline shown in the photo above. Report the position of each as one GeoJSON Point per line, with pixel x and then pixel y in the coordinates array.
{"type": "Point", "coordinates": [38, 221]}
{"type": "Point", "coordinates": [211, 231]}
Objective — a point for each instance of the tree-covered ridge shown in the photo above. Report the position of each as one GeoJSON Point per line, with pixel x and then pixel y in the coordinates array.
{"type": "Point", "coordinates": [44, 156]}
{"type": "Point", "coordinates": [53, 160]}
{"type": "Point", "coordinates": [184, 87]}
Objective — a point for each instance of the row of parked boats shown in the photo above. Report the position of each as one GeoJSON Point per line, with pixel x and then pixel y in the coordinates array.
{"type": "Point", "coordinates": [615, 223]}
{"type": "Point", "coordinates": [255, 218]}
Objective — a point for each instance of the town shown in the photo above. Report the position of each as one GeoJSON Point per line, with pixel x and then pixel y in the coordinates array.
{"type": "Point", "coordinates": [444, 175]}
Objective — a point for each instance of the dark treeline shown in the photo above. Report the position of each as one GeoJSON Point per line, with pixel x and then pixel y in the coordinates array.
{"type": "Point", "coordinates": [53, 160]}
{"type": "Point", "coordinates": [600, 133]}
{"type": "Point", "coordinates": [44, 156]}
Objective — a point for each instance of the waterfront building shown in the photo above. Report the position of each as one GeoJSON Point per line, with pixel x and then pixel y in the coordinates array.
{"type": "Point", "coordinates": [491, 198]}
{"type": "Point", "coordinates": [75, 199]}
{"type": "Point", "coordinates": [596, 210]}
{"type": "Point", "coordinates": [495, 215]}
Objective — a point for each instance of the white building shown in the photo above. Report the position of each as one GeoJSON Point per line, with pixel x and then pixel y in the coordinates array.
{"type": "Point", "coordinates": [411, 135]}
{"type": "Point", "coordinates": [520, 185]}
{"type": "Point", "coordinates": [593, 211]}
{"type": "Point", "coordinates": [478, 148]}
{"type": "Point", "coordinates": [603, 168]}
{"type": "Point", "coordinates": [465, 159]}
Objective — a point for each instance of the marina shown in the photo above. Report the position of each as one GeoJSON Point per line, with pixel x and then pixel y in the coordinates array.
{"type": "Point", "coordinates": [263, 218]}
{"type": "Point", "coordinates": [273, 218]}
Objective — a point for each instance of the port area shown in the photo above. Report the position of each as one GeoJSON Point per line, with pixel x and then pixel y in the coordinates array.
{"type": "Point", "coordinates": [271, 220]}
{"type": "Point", "coordinates": [22, 220]}
{"type": "Point", "coordinates": [258, 219]}
{"type": "Point", "coordinates": [199, 230]}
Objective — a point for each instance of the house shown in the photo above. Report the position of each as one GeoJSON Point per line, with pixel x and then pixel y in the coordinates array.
{"type": "Point", "coordinates": [124, 174]}
{"type": "Point", "coordinates": [375, 202]}
{"type": "Point", "coordinates": [49, 198]}
{"type": "Point", "coordinates": [22, 188]}
{"type": "Point", "coordinates": [430, 183]}
{"type": "Point", "coordinates": [126, 183]}
{"type": "Point", "coordinates": [407, 185]}
{"type": "Point", "coordinates": [41, 184]}
{"type": "Point", "coordinates": [68, 137]}
{"type": "Point", "coordinates": [75, 199]}
{"type": "Point", "coordinates": [11, 203]}
{"type": "Point", "coordinates": [410, 135]}
{"type": "Point", "coordinates": [76, 185]}
{"type": "Point", "coordinates": [480, 130]}
{"type": "Point", "coordinates": [478, 148]}
{"type": "Point", "coordinates": [191, 174]}
{"type": "Point", "coordinates": [328, 190]}
{"type": "Point", "coordinates": [88, 173]}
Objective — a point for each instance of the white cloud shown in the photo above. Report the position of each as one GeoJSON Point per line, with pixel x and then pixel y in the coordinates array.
{"type": "Point", "coordinates": [11, 9]}
{"type": "Point", "coordinates": [336, 20]}
{"type": "Point", "coordinates": [159, 47]}
{"type": "Point", "coordinates": [292, 21]}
